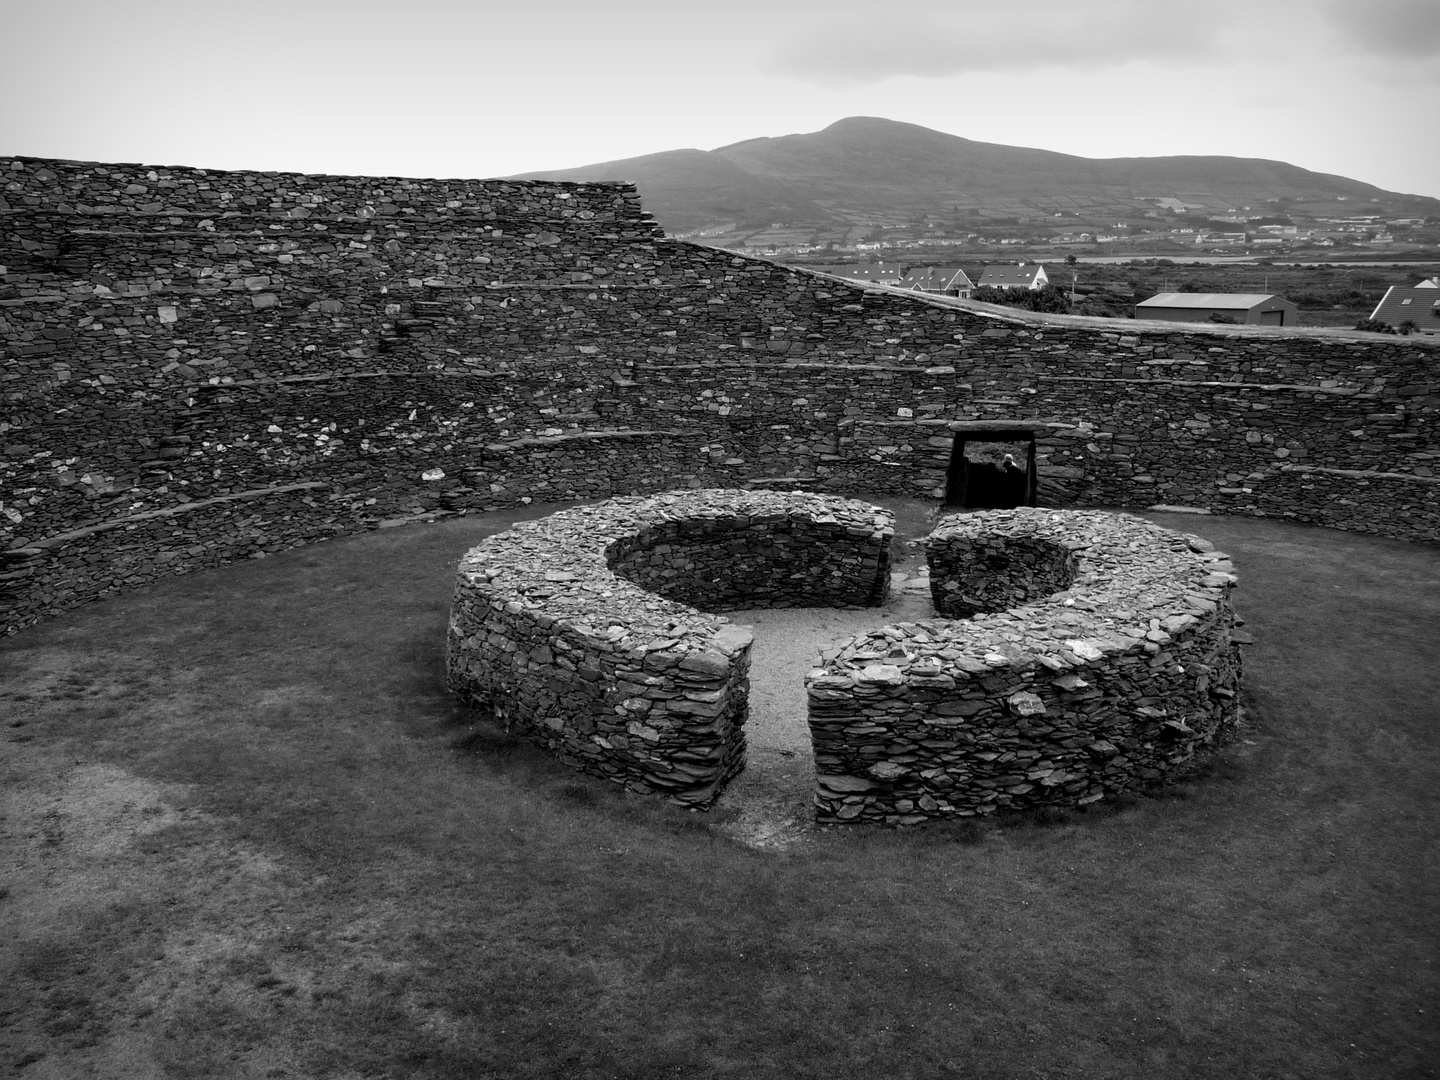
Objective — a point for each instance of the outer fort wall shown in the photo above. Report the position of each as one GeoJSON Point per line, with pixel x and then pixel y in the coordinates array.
{"type": "Point", "coordinates": [201, 366]}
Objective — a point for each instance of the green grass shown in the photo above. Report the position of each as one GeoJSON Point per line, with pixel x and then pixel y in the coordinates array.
{"type": "Point", "coordinates": [247, 834]}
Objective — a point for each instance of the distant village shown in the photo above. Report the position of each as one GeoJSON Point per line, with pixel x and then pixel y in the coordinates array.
{"type": "Point", "coordinates": [1403, 309]}
{"type": "Point", "coordinates": [1246, 233]}
{"type": "Point", "coordinates": [1166, 226]}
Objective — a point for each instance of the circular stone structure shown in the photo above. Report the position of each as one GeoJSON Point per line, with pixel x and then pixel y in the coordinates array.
{"type": "Point", "coordinates": [583, 630]}
{"type": "Point", "coordinates": [1088, 654]}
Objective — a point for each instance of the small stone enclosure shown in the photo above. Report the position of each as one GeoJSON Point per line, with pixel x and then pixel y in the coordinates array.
{"type": "Point", "coordinates": [1094, 657]}
{"type": "Point", "coordinates": [581, 630]}
{"type": "Point", "coordinates": [1082, 654]}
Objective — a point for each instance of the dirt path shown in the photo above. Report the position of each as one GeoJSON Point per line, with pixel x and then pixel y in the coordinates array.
{"type": "Point", "coordinates": [769, 804]}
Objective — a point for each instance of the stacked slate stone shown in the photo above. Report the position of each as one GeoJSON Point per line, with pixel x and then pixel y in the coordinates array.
{"type": "Point", "coordinates": [1123, 678]}
{"type": "Point", "coordinates": [993, 572]}
{"type": "Point", "coordinates": [560, 626]}
{"type": "Point", "coordinates": [199, 366]}
{"type": "Point", "coordinates": [796, 553]}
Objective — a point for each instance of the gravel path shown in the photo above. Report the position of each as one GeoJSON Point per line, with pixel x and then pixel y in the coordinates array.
{"type": "Point", "coordinates": [769, 804]}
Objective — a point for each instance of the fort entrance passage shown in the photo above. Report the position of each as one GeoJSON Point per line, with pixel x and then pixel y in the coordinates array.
{"type": "Point", "coordinates": [597, 633]}
{"type": "Point", "coordinates": [992, 466]}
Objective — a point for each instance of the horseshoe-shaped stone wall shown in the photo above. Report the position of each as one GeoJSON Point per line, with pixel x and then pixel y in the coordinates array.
{"type": "Point", "coordinates": [1097, 660]}
{"type": "Point", "coordinates": [581, 630]}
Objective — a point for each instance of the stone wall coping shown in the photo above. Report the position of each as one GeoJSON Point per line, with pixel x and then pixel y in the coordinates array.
{"type": "Point", "coordinates": [1124, 678]}
{"type": "Point", "coordinates": [60, 539]}
{"type": "Point", "coordinates": [1302, 388]}
{"type": "Point", "coordinates": [557, 440]}
{"type": "Point", "coordinates": [1135, 582]}
{"type": "Point", "coordinates": [1019, 427]}
{"type": "Point", "coordinates": [213, 174]}
{"type": "Point", "coordinates": [1001, 314]}
{"type": "Point", "coordinates": [1361, 474]}
{"type": "Point", "coordinates": [558, 566]}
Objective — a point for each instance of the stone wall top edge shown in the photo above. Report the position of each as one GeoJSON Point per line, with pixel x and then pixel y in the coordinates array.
{"type": "Point", "coordinates": [576, 537]}
{"type": "Point", "coordinates": [1156, 328]}
{"type": "Point", "coordinates": [557, 566]}
{"type": "Point", "coordinates": [616, 516]}
{"type": "Point", "coordinates": [209, 173]}
{"type": "Point", "coordinates": [1090, 324]}
{"type": "Point", "coordinates": [1130, 571]}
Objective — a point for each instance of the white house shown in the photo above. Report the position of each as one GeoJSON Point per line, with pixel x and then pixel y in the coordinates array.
{"type": "Point", "coordinates": [1014, 276]}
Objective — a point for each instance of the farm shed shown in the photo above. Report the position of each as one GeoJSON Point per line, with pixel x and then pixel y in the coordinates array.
{"type": "Point", "coordinates": [1264, 309]}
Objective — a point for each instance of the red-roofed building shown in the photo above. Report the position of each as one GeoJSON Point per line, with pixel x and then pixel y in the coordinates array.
{"type": "Point", "coordinates": [876, 273]}
{"type": "Point", "coordinates": [944, 280]}
{"type": "Point", "coordinates": [1418, 304]}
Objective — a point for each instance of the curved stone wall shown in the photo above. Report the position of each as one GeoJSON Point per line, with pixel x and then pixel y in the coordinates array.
{"type": "Point", "coordinates": [1115, 671]}
{"type": "Point", "coordinates": [978, 571]}
{"type": "Point", "coordinates": [202, 365]}
{"type": "Point", "coordinates": [578, 630]}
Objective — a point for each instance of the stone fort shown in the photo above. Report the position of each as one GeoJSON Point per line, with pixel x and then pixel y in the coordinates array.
{"type": "Point", "coordinates": [202, 366]}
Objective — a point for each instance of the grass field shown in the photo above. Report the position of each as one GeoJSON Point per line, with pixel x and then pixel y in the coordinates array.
{"type": "Point", "coordinates": [246, 834]}
{"type": "Point", "coordinates": [1335, 296]}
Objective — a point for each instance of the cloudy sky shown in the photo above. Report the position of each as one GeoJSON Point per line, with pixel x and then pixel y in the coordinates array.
{"type": "Point", "coordinates": [481, 88]}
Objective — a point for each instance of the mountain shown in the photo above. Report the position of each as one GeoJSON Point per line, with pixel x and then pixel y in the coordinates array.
{"type": "Point", "coordinates": [869, 172]}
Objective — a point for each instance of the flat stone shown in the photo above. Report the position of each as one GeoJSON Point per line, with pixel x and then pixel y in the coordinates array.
{"type": "Point", "coordinates": [732, 639]}
{"type": "Point", "coordinates": [844, 784]}
{"type": "Point", "coordinates": [707, 662]}
{"type": "Point", "coordinates": [1026, 703]}
{"type": "Point", "coordinates": [959, 708]}
{"type": "Point", "coordinates": [884, 674]}
{"type": "Point", "coordinates": [887, 770]}
{"type": "Point", "coordinates": [1084, 649]}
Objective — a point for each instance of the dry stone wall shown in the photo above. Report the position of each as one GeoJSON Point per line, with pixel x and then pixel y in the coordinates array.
{"type": "Point", "coordinates": [1124, 678]}
{"type": "Point", "coordinates": [979, 571]}
{"type": "Point", "coordinates": [763, 549]}
{"type": "Point", "coordinates": [578, 631]}
{"type": "Point", "coordinates": [202, 365]}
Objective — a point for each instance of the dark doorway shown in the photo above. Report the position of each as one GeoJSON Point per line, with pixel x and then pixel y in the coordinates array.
{"type": "Point", "coordinates": [991, 470]}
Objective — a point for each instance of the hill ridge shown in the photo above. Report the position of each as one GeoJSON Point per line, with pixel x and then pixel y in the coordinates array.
{"type": "Point", "coordinates": [864, 172]}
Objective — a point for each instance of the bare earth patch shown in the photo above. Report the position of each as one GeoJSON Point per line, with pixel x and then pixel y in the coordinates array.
{"type": "Point", "coordinates": [771, 800]}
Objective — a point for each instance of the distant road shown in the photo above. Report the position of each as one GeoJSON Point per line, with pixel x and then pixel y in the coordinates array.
{"type": "Point", "coordinates": [1278, 260]}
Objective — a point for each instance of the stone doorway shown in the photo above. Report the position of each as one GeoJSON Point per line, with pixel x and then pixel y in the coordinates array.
{"type": "Point", "coordinates": [991, 468]}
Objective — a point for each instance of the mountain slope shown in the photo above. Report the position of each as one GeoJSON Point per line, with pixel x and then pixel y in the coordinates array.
{"type": "Point", "coordinates": [693, 189]}
{"type": "Point", "coordinates": [864, 170]}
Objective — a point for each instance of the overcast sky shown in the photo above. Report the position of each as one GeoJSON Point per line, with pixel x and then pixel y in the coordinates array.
{"type": "Point", "coordinates": [480, 88]}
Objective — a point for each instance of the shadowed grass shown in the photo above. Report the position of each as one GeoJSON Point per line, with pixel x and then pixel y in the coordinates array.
{"type": "Point", "coordinates": [248, 834]}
